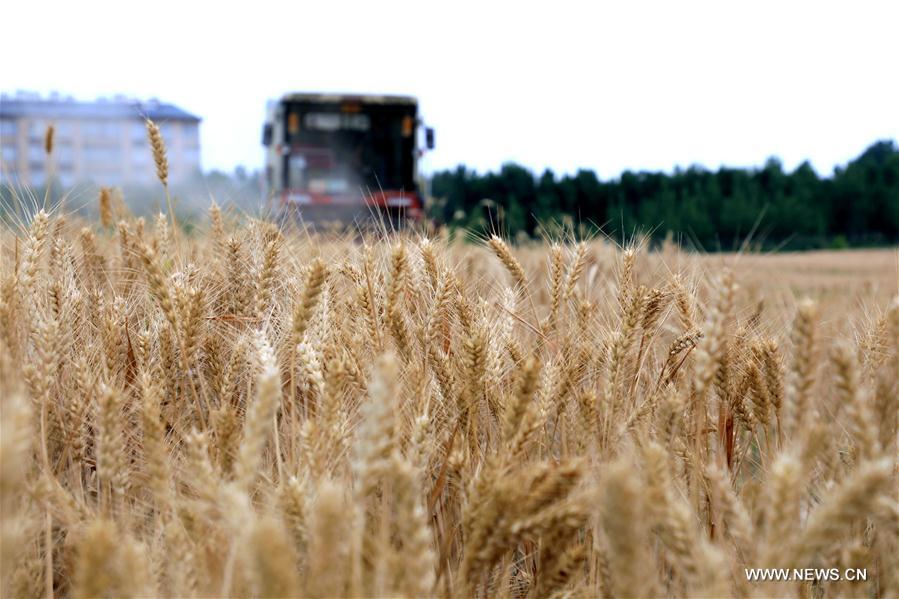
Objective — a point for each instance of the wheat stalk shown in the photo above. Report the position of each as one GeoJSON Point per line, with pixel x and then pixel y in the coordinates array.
{"type": "Point", "coordinates": [257, 412]}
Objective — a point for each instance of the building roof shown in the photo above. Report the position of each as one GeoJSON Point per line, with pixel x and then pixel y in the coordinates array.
{"type": "Point", "coordinates": [18, 107]}
{"type": "Point", "coordinates": [338, 97]}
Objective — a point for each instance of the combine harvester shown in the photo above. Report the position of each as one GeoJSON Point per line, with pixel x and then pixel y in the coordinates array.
{"type": "Point", "coordinates": [345, 159]}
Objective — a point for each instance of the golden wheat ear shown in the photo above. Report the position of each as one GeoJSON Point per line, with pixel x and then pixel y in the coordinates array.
{"type": "Point", "coordinates": [513, 266]}
{"type": "Point", "coordinates": [257, 412]}
{"type": "Point", "coordinates": [49, 135]}
{"type": "Point", "coordinates": [157, 144]}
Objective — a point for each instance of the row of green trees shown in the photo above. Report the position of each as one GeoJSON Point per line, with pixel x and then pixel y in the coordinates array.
{"type": "Point", "coordinates": [858, 204]}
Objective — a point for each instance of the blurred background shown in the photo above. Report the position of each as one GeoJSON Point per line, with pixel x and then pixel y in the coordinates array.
{"type": "Point", "coordinates": [708, 121]}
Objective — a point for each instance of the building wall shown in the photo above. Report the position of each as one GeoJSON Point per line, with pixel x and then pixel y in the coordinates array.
{"type": "Point", "coordinates": [103, 151]}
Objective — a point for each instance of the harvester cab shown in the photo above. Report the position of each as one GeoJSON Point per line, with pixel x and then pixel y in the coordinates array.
{"type": "Point", "coordinates": [346, 159]}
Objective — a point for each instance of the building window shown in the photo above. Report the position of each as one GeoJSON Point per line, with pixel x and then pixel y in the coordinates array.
{"type": "Point", "coordinates": [190, 135]}
{"type": "Point", "coordinates": [10, 155]}
{"type": "Point", "coordinates": [168, 132]}
{"type": "Point", "coordinates": [101, 130]}
{"type": "Point", "coordinates": [36, 152]}
{"type": "Point", "coordinates": [192, 157]}
{"type": "Point", "coordinates": [36, 130]}
{"type": "Point", "coordinates": [65, 131]}
{"type": "Point", "coordinates": [90, 130]}
{"type": "Point", "coordinates": [141, 156]}
{"type": "Point", "coordinates": [65, 156]}
{"type": "Point", "coordinates": [138, 133]}
{"type": "Point", "coordinates": [112, 130]}
{"type": "Point", "coordinates": [66, 128]}
{"type": "Point", "coordinates": [9, 128]}
{"type": "Point", "coordinates": [100, 155]}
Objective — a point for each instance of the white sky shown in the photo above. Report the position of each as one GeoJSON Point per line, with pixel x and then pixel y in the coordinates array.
{"type": "Point", "coordinates": [629, 85]}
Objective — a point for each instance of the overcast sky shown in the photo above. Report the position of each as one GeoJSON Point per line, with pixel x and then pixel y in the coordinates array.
{"type": "Point", "coordinates": [637, 85]}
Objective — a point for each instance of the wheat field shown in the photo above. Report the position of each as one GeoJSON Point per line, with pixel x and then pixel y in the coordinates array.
{"type": "Point", "coordinates": [257, 411]}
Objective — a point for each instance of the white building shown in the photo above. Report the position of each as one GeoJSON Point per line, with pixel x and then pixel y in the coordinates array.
{"type": "Point", "coordinates": [103, 142]}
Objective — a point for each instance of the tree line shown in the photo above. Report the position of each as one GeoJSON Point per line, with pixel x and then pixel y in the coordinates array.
{"type": "Point", "coordinates": [857, 205]}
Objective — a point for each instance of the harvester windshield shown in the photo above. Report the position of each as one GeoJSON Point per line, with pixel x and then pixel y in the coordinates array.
{"type": "Point", "coordinates": [344, 151]}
